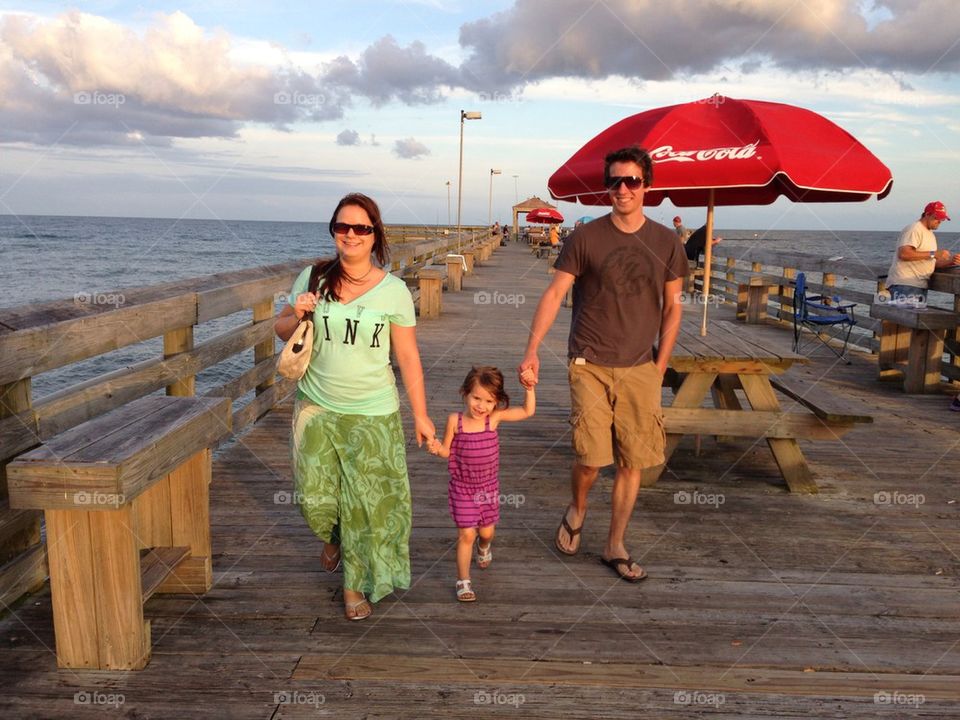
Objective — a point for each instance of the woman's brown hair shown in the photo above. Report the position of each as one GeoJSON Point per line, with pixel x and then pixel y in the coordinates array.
{"type": "Point", "coordinates": [490, 379]}
{"type": "Point", "coordinates": [331, 271]}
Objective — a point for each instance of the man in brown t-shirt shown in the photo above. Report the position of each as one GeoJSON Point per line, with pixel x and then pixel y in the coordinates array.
{"type": "Point", "coordinates": [627, 275]}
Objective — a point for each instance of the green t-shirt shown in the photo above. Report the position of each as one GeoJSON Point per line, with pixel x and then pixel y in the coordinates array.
{"type": "Point", "coordinates": [350, 370]}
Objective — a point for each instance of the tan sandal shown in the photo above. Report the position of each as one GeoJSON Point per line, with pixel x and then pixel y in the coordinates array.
{"type": "Point", "coordinates": [355, 610]}
{"type": "Point", "coordinates": [331, 563]}
{"type": "Point", "coordinates": [484, 555]}
{"type": "Point", "coordinates": [465, 591]}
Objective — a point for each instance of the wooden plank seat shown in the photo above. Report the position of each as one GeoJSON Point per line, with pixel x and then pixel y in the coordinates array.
{"type": "Point", "coordinates": [125, 498]}
{"type": "Point", "coordinates": [911, 344]}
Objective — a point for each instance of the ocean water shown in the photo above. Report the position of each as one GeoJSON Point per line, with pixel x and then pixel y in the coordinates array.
{"type": "Point", "coordinates": [93, 258]}
{"type": "Point", "coordinates": [49, 258]}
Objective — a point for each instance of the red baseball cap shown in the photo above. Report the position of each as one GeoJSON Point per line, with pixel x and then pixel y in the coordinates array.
{"type": "Point", "coordinates": [937, 210]}
{"type": "Point", "coordinates": [677, 219]}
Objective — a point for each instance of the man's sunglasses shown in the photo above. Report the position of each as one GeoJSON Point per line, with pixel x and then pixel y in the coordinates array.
{"type": "Point", "coordinates": [631, 181]}
{"type": "Point", "coordinates": [343, 228]}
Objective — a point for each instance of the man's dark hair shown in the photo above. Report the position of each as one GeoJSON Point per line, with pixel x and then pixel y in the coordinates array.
{"type": "Point", "coordinates": [635, 154]}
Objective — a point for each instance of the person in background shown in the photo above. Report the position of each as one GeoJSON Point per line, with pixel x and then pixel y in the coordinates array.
{"type": "Point", "coordinates": [916, 259]}
{"type": "Point", "coordinates": [681, 231]}
{"type": "Point", "coordinates": [917, 256]}
{"type": "Point", "coordinates": [348, 452]}
{"type": "Point", "coordinates": [696, 244]}
{"type": "Point", "coordinates": [554, 236]}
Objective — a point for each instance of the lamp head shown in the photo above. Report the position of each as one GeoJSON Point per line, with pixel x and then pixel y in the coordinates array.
{"type": "Point", "coordinates": [470, 115]}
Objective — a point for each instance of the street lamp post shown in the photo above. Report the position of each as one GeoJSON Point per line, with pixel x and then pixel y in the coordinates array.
{"type": "Point", "coordinates": [516, 191]}
{"type": "Point", "coordinates": [464, 115]}
{"type": "Point", "coordinates": [448, 204]}
{"type": "Point", "coordinates": [490, 203]}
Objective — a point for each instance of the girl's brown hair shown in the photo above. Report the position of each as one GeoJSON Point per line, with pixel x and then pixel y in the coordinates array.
{"type": "Point", "coordinates": [331, 271]}
{"type": "Point", "coordinates": [490, 379]}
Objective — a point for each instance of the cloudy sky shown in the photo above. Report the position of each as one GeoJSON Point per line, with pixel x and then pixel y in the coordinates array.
{"type": "Point", "coordinates": [267, 110]}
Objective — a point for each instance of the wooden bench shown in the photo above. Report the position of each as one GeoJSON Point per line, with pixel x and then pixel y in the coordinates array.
{"type": "Point", "coordinates": [456, 265]}
{"type": "Point", "coordinates": [125, 497]}
{"type": "Point", "coordinates": [428, 282]}
{"type": "Point", "coordinates": [752, 293]}
{"type": "Point", "coordinates": [913, 336]}
{"type": "Point", "coordinates": [832, 412]}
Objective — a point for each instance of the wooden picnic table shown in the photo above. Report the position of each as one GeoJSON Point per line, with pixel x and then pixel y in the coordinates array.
{"type": "Point", "coordinates": [730, 358]}
{"type": "Point", "coordinates": [752, 293]}
{"type": "Point", "coordinates": [914, 336]}
{"type": "Point", "coordinates": [947, 281]}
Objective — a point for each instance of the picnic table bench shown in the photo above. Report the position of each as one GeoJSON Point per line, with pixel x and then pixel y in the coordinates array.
{"type": "Point", "coordinates": [125, 497]}
{"type": "Point", "coordinates": [727, 360]}
{"type": "Point", "coordinates": [913, 336]}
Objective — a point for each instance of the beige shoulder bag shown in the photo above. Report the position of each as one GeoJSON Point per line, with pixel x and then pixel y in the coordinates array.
{"type": "Point", "coordinates": [296, 354]}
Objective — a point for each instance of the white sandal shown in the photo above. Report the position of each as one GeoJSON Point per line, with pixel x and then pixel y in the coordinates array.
{"type": "Point", "coordinates": [484, 555]}
{"type": "Point", "coordinates": [465, 591]}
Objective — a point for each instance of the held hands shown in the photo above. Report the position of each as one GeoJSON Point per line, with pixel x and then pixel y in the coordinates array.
{"type": "Point", "coordinates": [425, 431]}
{"type": "Point", "coordinates": [529, 371]}
{"type": "Point", "coordinates": [433, 446]}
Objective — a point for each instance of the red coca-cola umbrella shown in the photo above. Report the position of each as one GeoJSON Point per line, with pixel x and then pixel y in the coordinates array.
{"type": "Point", "coordinates": [724, 151]}
{"type": "Point", "coordinates": [545, 215]}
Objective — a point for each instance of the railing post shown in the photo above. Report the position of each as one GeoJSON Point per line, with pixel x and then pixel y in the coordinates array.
{"type": "Point", "coordinates": [878, 334]}
{"type": "Point", "coordinates": [730, 276]}
{"type": "Point", "coordinates": [468, 259]}
{"type": "Point", "coordinates": [788, 274]}
{"type": "Point", "coordinates": [174, 343]}
{"type": "Point", "coordinates": [829, 281]}
{"type": "Point", "coordinates": [954, 336]}
{"type": "Point", "coordinates": [267, 349]}
{"type": "Point", "coordinates": [21, 529]}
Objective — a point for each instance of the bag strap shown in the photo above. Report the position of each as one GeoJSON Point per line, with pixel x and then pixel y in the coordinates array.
{"type": "Point", "coordinates": [312, 286]}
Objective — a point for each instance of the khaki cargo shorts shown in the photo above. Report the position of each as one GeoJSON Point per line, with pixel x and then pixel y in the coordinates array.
{"type": "Point", "coordinates": [616, 410]}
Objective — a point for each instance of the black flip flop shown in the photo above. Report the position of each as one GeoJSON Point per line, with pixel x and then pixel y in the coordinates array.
{"type": "Point", "coordinates": [616, 563]}
{"type": "Point", "coordinates": [565, 525]}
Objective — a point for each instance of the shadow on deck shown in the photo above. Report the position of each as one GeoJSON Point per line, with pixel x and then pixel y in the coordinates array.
{"type": "Point", "coordinates": [759, 603]}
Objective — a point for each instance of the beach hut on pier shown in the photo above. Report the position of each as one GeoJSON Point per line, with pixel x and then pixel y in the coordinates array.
{"type": "Point", "coordinates": [531, 203]}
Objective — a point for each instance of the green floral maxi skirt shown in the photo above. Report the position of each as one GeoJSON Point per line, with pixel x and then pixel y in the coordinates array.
{"type": "Point", "coordinates": [350, 480]}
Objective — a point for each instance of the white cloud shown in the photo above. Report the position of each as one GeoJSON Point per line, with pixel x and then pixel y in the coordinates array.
{"type": "Point", "coordinates": [409, 148]}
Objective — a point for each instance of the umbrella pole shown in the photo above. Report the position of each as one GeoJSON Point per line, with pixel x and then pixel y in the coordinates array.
{"type": "Point", "coordinates": [707, 264]}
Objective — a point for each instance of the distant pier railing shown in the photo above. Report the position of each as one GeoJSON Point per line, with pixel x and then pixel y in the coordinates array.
{"type": "Point", "coordinates": [47, 337]}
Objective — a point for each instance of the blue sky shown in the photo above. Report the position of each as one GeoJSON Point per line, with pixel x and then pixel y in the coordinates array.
{"type": "Point", "coordinates": [262, 110]}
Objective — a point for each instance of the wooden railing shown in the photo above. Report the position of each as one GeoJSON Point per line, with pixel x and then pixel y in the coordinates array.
{"type": "Point", "coordinates": [43, 338]}
{"type": "Point", "coordinates": [426, 233]}
{"type": "Point", "coordinates": [848, 280]}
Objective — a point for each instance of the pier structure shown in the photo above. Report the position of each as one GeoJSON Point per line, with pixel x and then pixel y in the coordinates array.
{"type": "Point", "coordinates": [761, 602]}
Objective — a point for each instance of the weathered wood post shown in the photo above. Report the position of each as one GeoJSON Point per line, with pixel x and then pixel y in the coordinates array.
{"type": "Point", "coordinates": [431, 292]}
{"type": "Point", "coordinates": [454, 273]}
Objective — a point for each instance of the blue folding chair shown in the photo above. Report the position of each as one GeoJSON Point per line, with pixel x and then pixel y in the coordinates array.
{"type": "Point", "coordinates": [817, 313]}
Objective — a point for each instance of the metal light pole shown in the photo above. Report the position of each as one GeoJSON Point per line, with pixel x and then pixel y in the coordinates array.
{"type": "Point", "coordinates": [490, 203]}
{"type": "Point", "coordinates": [516, 192]}
{"type": "Point", "coordinates": [448, 204]}
{"type": "Point", "coordinates": [464, 115]}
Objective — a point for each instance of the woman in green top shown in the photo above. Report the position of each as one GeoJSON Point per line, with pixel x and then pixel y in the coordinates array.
{"type": "Point", "coordinates": [347, 445]}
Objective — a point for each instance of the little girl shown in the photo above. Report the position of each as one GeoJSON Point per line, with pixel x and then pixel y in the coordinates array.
{"type": "Point", "coordinates": [473, 448]}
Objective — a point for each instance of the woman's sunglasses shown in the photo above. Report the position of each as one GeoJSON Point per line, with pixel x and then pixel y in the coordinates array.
{"type": "Point", "coordinates": [343, 228]}
{"type": "Point", "coordinates": [631, 181]}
